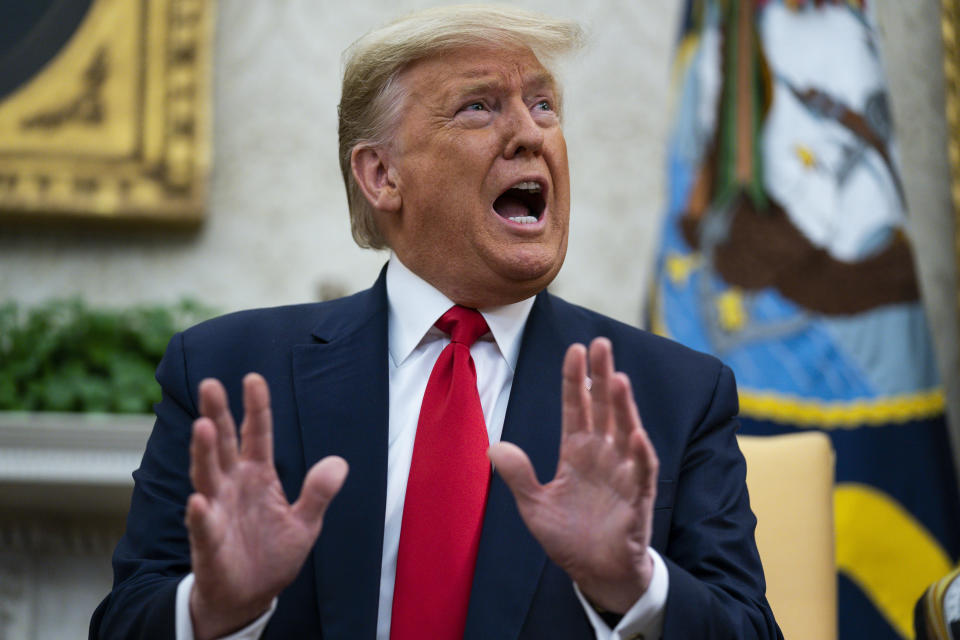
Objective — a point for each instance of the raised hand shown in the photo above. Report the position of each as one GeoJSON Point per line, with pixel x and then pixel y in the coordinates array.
{"type": "Point", "coordinates": [594, 519]}
{"type": "Point", "coordinates": [246, 541]}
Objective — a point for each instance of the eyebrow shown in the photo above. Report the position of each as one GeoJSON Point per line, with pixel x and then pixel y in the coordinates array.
{"type": "Point", "coordinates": [541, 79]}
{"type": "Point", "coordinates": [487, 80]}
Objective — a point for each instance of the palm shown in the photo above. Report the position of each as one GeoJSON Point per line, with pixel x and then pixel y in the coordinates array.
{"type": "Point", "coordinates": [594, 518]}
{"type": "Point", "coordinates": [246, 541]}
{"type": "Point", "coordinates": [252, 534]}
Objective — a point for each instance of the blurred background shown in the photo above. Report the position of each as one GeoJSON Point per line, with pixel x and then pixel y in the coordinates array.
{"type": "Point", "coordinates": [275, 230]}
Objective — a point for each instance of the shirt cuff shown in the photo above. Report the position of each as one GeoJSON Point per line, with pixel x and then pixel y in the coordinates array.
{"type": "Point", "coordinates": [644, 620]}
{"type": "Point", "coordinates": [184, 626]}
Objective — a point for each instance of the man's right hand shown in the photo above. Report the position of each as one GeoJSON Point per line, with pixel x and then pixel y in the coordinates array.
{"type": "Point", "coordinates": [246, 541]}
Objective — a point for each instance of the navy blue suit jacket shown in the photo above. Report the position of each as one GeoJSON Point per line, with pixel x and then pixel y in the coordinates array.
{"type": "Point", "coordinates": [327, 367]}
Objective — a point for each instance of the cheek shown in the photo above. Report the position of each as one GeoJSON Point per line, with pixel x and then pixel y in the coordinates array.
{"type": "Point", "coordinates": [562, 166]}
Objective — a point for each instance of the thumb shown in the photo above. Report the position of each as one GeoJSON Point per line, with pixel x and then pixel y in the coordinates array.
{"type": "Point", "coordinates": [322, 483]}
{"type": "Point", "coordinates": [514, 467]}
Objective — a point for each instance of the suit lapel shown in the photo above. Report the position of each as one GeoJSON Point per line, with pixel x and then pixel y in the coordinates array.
{"type": "Point", "coordinates": [510, 560]}
{"type": "Point", "coordinates": [342, 390]}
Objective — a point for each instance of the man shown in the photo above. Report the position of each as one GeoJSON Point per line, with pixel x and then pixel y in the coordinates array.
{"type": "Point", "coordinates": [454, 157]}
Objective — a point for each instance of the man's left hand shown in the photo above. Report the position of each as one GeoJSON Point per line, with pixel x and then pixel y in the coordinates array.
{"type": "Point", "coordinates": [594, 519]}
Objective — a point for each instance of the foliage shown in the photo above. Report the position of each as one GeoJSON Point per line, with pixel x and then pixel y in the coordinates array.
{"type": "Point", "coordinates": [66, 356]}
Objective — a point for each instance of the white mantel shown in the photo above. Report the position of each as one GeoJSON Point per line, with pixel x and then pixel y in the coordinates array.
{"type": "Point", "coordinates": [65, 483]}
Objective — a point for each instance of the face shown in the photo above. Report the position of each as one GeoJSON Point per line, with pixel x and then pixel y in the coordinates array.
{"type": "Point", "coordinates": [480, 166]}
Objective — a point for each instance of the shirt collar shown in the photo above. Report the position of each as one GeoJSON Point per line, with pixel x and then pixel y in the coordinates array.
{"type": "Point", "coordinates": [414, 305]}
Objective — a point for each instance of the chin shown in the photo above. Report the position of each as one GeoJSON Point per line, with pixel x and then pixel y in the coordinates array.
{"type": "Point", "coordinates": [532, 274]}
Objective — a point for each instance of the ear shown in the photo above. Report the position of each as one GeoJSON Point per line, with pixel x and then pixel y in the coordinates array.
{"type": "Point", "coordinates": [377, 179]}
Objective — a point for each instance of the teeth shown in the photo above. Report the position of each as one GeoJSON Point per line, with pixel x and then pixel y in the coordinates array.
{"type": "Point", "coordinates": [532, 187]}
{"type": "Point", "coordinates": [523, 219]}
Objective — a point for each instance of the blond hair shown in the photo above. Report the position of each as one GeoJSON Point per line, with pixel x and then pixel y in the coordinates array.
{"type": "Point", "coordinates": [372, 96]}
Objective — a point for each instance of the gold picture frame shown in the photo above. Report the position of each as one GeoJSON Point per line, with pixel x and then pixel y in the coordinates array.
{"type": "Point", "coordinates": [950, 24]}
{"type": "Point", "coordinates": [116, 126]}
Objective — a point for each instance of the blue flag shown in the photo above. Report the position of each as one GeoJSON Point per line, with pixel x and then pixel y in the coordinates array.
{"type": "Point", "coordinates": [785, 252]}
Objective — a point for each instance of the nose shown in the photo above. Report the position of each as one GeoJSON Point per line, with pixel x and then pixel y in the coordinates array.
{"type": "Point", "coordinates": [524, 135]}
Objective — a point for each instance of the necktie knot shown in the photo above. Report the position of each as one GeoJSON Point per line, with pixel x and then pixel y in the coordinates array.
{"type": "Point", "coordinates": [462, 324]}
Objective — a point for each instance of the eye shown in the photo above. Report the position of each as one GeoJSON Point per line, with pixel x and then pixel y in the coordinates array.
{"type": "Point", "coordinates": [474, 106]}
{"type": "Point", "coordinates": [476, 112]}
{"type": "Point", "coordinates": [544, 105]}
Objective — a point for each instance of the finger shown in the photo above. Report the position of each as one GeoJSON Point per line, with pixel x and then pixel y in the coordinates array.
{"type": "Point", "coordinates": [205, 471]}
{"type": "Point", "coordinates": [322, 483]}
{"type": "Point", "coordinates": [576, 398]}
{"type": "Point", "coordinates": [214, 405]}
{"type": "Point", "coordinates": [626, 418]}
{"type": "Point", "coordinates": [514, 467]}
{"type": "Point", "coordinates": [601, 376]}
{"type": "Point", "coordinates": [200, 523]}
{"type": "Point", "coordinates": [648, 465]}
{"type": "Point", "coordinates": [256, 434]}
{"type": "Point", "coordinates": [640, 448]}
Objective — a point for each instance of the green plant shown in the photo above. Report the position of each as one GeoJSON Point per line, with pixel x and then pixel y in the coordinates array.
{"type": "Point", "coordinates": [67, 356]}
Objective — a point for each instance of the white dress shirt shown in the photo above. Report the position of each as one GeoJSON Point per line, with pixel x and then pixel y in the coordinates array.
{"type": "Point", "coordinates": [414, 345]}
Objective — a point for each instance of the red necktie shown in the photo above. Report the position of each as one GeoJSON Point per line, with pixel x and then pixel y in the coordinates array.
{"type": "Point", "coordinates": [446, 493]}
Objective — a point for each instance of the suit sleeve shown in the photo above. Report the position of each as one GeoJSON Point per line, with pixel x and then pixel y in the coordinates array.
{"type": "Point", "coordinates": [717, 589]}
{"type": "Point", "coordinates": [154, 553]}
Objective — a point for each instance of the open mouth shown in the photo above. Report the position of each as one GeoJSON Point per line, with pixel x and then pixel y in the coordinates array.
{"type": "Point", "coordinates": [522, 203]}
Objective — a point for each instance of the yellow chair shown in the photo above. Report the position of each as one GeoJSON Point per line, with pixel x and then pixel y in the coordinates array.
{"type": "Point", "coordinates": [790, 480]}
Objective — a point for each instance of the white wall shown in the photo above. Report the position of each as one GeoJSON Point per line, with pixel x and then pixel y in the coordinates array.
{"type": "Point", "coordinates": [913, 50]}
{"type": "Point", "coordinates": [277, 230]}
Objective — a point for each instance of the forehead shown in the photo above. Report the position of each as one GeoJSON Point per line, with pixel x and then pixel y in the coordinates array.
{"type": "Point", "coordinates": [477, 67]}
